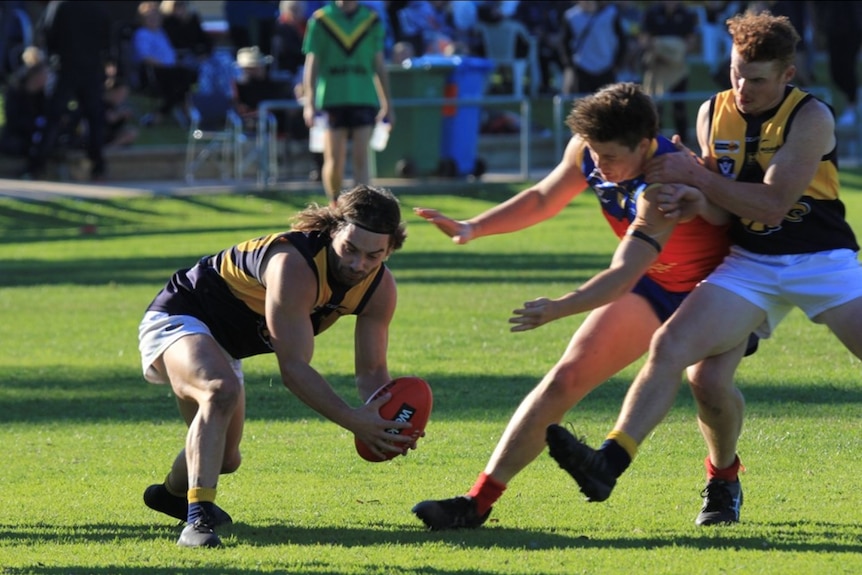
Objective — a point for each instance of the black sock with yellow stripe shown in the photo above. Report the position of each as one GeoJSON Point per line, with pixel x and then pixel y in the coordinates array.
{"type": "Point", "coordinates": [619, 450]}
{"type": "Point", "coordinates": [201, 502]}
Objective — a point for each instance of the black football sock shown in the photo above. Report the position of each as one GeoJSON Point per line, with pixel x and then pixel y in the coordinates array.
{"type": "Point", "coordinates": [201, 501]}
{"type": "Point", "coordinates": [619, 450]}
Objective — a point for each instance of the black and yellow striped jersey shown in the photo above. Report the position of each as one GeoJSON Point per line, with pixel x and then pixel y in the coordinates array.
{"type": "Point", "coordinates": [226, 291]}
{"type": "Point", "coordinates": [743, 147]}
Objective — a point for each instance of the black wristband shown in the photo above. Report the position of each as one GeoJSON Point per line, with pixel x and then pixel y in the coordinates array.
{"type": "Point", "coordinates": [640, 235]}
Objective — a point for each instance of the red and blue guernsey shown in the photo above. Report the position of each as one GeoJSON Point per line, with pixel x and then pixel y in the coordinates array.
{"type": "Point", "coordinates": [695, 247]}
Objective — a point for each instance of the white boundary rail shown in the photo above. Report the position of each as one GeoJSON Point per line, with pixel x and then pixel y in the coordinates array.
{"type": "Point", "coordinates": [266, 145]}
{"type": "Point", "coordinates": [267, 157]}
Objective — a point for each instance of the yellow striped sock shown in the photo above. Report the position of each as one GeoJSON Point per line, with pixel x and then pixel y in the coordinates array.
{"type": "Point", "coordinates": [625, 441]}
{"type": "Point", "coordinates": [202, 494]}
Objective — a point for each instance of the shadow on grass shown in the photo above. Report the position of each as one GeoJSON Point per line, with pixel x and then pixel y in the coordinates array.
{"type": "Point", "coordinates": [419, 267]}
{"type": "Point", "coordinates": [28, 219]}
{"type": "Point", "coordinates": [83, 271]}
{"type": "Point", "coordinates": [53, 394]}
{"type": "Point", "coordinates": [485, 268]}
{"type": "Point", "coordinates": [24, 221]}
{"type": "Point", "coordinates": [790, 537]}
{"type": "Point", "coordinates": [793, 538]}
{"type": "Point", "coordinates": [513, 268]}
{"type": "Point", "coordinates": [133, 229]}
{"type": "Point", "coordinates": [57, 394]}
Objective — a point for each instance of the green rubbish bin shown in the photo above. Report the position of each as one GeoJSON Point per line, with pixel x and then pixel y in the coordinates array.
{"type": "Point", "coordinates": [414, 144]}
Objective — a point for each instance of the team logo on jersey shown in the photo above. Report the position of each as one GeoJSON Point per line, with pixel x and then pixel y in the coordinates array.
{"type": "Point", "coordinates": [757, 228]}
{"type": "Point", "coordinates": [726, 166]}
{"type": "Point", "coordinates": [794, 215]}
{"type": "Point", "coordinates": [798, 212]}
{"type": "Point", "coordinates": [728, 146]}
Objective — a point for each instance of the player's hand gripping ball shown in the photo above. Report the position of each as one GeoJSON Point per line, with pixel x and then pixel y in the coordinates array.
{"type": "Point", "coordinates": [411, 402]}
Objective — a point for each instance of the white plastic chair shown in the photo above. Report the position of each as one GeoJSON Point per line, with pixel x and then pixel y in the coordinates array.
{"type": "Point", "coordinates": [500, 41]}
{"type": "Point", "coordinates": [214, 128]}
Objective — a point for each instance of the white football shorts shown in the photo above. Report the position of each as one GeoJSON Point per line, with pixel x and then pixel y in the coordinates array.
{"type": "Point", "coordinates": [812, 282]}
{"type": "Point", "coordinates": [158, 330]}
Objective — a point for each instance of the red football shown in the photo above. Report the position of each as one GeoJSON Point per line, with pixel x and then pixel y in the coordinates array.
{"type": "Point", "coordinates": [411, 401]}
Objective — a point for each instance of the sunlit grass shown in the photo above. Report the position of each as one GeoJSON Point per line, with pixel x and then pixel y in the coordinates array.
{"type": "Point", "coordinates": [83, 434]}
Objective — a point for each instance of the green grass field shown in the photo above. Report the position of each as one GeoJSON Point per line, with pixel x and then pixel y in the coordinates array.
{"type": "Point", "coordinates": [83, 434]}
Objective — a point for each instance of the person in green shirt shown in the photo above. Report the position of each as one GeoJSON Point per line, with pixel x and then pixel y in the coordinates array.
{"type": "Point", "coordinates": [345, 80]}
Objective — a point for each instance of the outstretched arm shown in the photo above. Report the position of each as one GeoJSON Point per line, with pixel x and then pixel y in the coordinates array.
{"type": "Point", "coordinates": [291, 290]}
{"type": "Point", "coordinates": [529, 207]}
{"type": "Point", "coordinates": [371, 340]}
{"type": "Point", "coordinates": [635, 253]}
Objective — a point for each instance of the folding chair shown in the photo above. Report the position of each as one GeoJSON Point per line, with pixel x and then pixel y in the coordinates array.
{"type": "Point", "coordinates": [214, 127]}
{"type": "Point", "coordinates": [251, 152]}
{"type": "Point", "coordinates": [500, 42]}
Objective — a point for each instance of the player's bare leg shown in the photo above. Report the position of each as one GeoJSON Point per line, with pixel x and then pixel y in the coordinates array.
{"type": "Point", "coordinates": [606, 342]}
{"type": "Point", "coordinates": [334, 162]}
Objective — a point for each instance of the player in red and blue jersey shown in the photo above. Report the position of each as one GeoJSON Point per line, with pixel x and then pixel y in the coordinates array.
{"type": "Point", "coordinates": [658, 262]}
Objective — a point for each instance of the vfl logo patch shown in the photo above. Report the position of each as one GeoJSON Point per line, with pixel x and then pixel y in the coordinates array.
{"type": "Point", "coordinates": [729, 146]}
{"type": "Point", "coordinates": [405, 414]}
{"type": "Point", "coordinates": [726, 166]}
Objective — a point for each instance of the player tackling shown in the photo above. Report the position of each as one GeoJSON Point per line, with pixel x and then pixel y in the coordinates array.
{"type": "Point", "coordinates": [657, 263]}
{"type": "Point", "coordinates": [769, 156]}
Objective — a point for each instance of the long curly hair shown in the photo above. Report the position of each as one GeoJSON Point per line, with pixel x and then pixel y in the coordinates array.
{"type": "Point", "coordinates": [368, 207]}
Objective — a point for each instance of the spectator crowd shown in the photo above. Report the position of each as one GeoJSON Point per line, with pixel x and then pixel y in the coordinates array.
{"type": "Point", "coordinates": [163, 52]}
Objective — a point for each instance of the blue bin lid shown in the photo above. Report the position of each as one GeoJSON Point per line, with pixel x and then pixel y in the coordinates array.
{"type": "Point", "coordinates": [430, 61]}
{"type": "Point", "coordinates": [440, 61]}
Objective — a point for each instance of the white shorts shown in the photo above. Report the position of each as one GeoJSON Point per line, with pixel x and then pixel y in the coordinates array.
{"type": "Point", "coordinates": [159, 330]}
{"type": "Point", "coordinates": [776, 284]}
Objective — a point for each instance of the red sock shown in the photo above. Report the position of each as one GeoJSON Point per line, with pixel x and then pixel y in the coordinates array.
{"type": "Point", "coordinates": [485, 492]}
{"type": "Point", "coordinates": [730, 474]}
